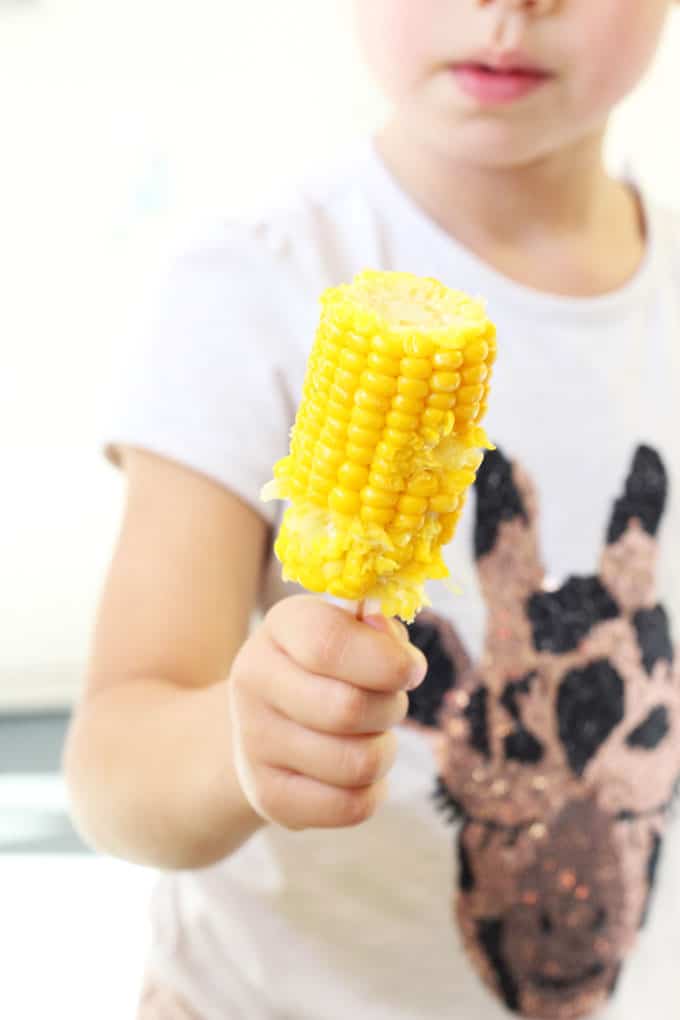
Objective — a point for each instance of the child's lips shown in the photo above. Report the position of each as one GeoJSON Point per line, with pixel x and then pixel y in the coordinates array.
{"type": "Point", "coordinates": [495, 85]}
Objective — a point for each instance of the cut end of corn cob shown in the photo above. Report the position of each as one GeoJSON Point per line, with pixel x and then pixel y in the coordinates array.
{"type": "Point", "coordinates": [387, 439]}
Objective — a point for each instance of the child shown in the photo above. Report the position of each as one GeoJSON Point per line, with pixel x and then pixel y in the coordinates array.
{"type": "Point", "coordinates": [252, 767]}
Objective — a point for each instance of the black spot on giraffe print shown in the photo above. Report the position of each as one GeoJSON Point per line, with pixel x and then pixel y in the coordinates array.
{"type": "Point", "coordinates": [522, 746]}
{"type": "Point", "coordinates": [644, 496]}
{"type": "Point", "coordinates": [652, 868]}
{"type": "Point", "coordinates": [651, 730]}
{"type": "Point", "coordinates": [509, 697]}
{"type": "Point", "coordinates": [490, 937]}
{"type": "Point", "coordinates": [450, 806]}
{"type": "Point", "coordinates": [590, 704]}
{"type": "Point", "coordinates": [466, 877]}
{"type": "Point", "coordinates": [498, 500]}
{"type": "Point", "coordinates": [476, 715]}
{"type": "Point", "coordinates": [614, 984]}
{"type": "Point", "coordinates": [425, 701]}
{"type": "Point", "coordinates": [654, 636]}
{"type": "Point", "coordinates": [561, 619]}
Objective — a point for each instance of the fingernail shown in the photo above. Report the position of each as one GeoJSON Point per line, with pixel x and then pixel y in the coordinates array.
{"type": "Point", "coordinates": [378, 622]}
{"type": "Point", "coordinates": [399, 630]}
{"type": "Point", "coordinates": [418, 670]}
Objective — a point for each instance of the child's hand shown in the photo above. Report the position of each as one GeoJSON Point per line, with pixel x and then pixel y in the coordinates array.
{"type": "Point", "coordinates": [314, 697]}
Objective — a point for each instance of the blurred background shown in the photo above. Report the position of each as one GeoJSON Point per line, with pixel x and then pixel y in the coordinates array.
{"type": "Point", "coordinates": [119, 122]}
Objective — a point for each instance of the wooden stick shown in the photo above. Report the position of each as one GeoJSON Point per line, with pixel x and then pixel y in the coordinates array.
{"type": "Point", "coordinates": [361, 605]}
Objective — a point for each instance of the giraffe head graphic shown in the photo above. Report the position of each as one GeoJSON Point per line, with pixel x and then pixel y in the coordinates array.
{"type": "Point", "coordinates": [559, 750]}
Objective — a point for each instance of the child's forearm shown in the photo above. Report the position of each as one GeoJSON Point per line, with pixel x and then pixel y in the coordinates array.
{"type": "Point", "coordinates": [150, 772]}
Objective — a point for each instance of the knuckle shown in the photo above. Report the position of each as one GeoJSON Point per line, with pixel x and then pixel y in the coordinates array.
{"type": "Point", "coordinates": [389, 748]}
{"type": "Point", "coordinates": [402, 666]}
{"type": "Point", "coordinates": [357, 807]}
{"type": "Point", "coordinates": [273, 792]}
{"type": "Point", "coordinates": [327, 643]}
{"type": "Point", "coordinates": [289, 616]}
{"type": "Point", "coordinates": [350, 708]}
{"type": "Point", "coordinates": [362, 763]}
{"type": "Point", "coordinates": [401, 707]}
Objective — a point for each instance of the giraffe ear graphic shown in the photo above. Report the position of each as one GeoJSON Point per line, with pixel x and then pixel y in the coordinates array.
{"type": "Point", "coordinates": [644, 496]}
{"type": "Point", "coordinates": [506, 534]}
{"type": "Point", "coordinates": [628, 563]}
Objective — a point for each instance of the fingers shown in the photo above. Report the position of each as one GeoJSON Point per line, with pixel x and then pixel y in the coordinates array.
{"type": "Point", "coordinates": [325, 640]}
{"type": "Point", "coordinates": [299, 802]}
{"type": "Point", "coordinates": [324, 704]}
{"type": "Point", "coordinates": [345, 762]}
{"type": "Point", "coordinates": [314, 696]}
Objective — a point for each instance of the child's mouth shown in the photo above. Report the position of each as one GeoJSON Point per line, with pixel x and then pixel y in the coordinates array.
{"type": "Point", "coordinates": [495, 85]}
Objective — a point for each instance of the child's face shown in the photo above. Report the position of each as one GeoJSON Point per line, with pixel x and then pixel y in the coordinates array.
{"type": "Point", "coordinates": [501, 82]}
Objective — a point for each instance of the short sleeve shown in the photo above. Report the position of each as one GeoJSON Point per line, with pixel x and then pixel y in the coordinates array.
{"type": "Point", "coordinates": [205, 377]}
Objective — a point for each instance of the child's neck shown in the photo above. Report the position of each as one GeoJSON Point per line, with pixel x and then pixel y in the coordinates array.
{"type": "Point", "coordinates": [560, 224]}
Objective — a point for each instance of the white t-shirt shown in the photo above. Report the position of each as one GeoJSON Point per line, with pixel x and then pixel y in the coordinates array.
{"type": "Point", "coordinates": [359, 922]}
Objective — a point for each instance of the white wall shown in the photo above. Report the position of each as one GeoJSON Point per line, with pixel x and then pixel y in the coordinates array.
{"type": "Point", "coordinates": [111, 116]}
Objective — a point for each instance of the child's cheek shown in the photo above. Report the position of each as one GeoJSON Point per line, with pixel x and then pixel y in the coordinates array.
{"type": "Point", "coordinates": [396, 39]}
{"type": "Point", "coordinates": [612, 46]}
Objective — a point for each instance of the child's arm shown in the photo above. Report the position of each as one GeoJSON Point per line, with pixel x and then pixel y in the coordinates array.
{"type": "Point", "coordinates": [149, 760]}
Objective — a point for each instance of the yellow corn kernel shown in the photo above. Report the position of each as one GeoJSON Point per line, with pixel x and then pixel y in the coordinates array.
{"type": "Point", "coordinates": [345, 501]}
{"type": "Point", "coordinates": [445, 382]}
{"type": "Point", "coordinates": [328, 454]}
{"type": "Point", "coordinates": [390, 346]}
{"type": "Point", "coordinates": [388, 482]}
{"type": "Point", "coordinates": [363, 437]}
{"type": "Point", "coordinates": [371, 401]}
{"type": "Point", "coordinates": [384, 456]}
{"type": "Point", "coordinates": [476, 352]}
{"type": "Point", "coordinates": [425, 485]}
{"type": "Point", "coordinates": [415, 388]}
{"type": "Point", "coordinates": [433, 417]}
{"type": "Point", "coordinates": [382, 364]}
{"type": "Point", "coordinates": [352, 361]}
{"type": "Point", "coordinates": [339, 410]}
{"type": "Point", "coordinates": [447, 361]}
{"type": "Point", "coordinates": [376, 515]}
{"type": "Point", "coordinates": [376, 383]}
{"type": "Point", "coordinates": [474, 374]}
{"type": "Point", "coordinates": [359, 454]}
{"type": "Point", "coordinates": [379, 464]}
{"type": "Point", "coordinates": [352, 475]}
{"type": "Point", "coordinates": [414, 505]}
{"type": "Point", "coordinates": [407, 522]}
{"type": "Point", "coordinates": [470, 394]}
{"type": "Point", "coordinates": [396, 438]}
{"type": "Point", "coordinates": [356, 342]}
{"type": "Point", "coordinates": [444, 503]}
{"type": "Point", "coordinates": [407, 405]}
{"type": "Point", "coordinates": [367, 419]}
{"type": "Point", "coordinates": [420, 346]}
{"type": "Point", "coordinates": [381, 498]}
{"type": "Point", "coordinates": [466, 414]}
{"type": "Point", "coordinates": [334, 430]}
{"type": "Point", "coordinates": [440, 401]}
{"type": "Point", "coordinates": [404, 422]}
{"type": "Point", "coordinates": [416, 368]}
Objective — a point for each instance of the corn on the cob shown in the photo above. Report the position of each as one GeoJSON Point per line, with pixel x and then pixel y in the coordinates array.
{"type": "Point", "coordinates": [387, 439]}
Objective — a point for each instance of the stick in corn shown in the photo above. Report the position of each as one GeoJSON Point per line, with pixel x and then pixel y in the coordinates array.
{"type": "Point", "coordinates": [387, 439]}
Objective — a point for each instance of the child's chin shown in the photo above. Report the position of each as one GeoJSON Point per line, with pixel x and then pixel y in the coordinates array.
{"type": "Point", "coordinates": [502, 141]}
